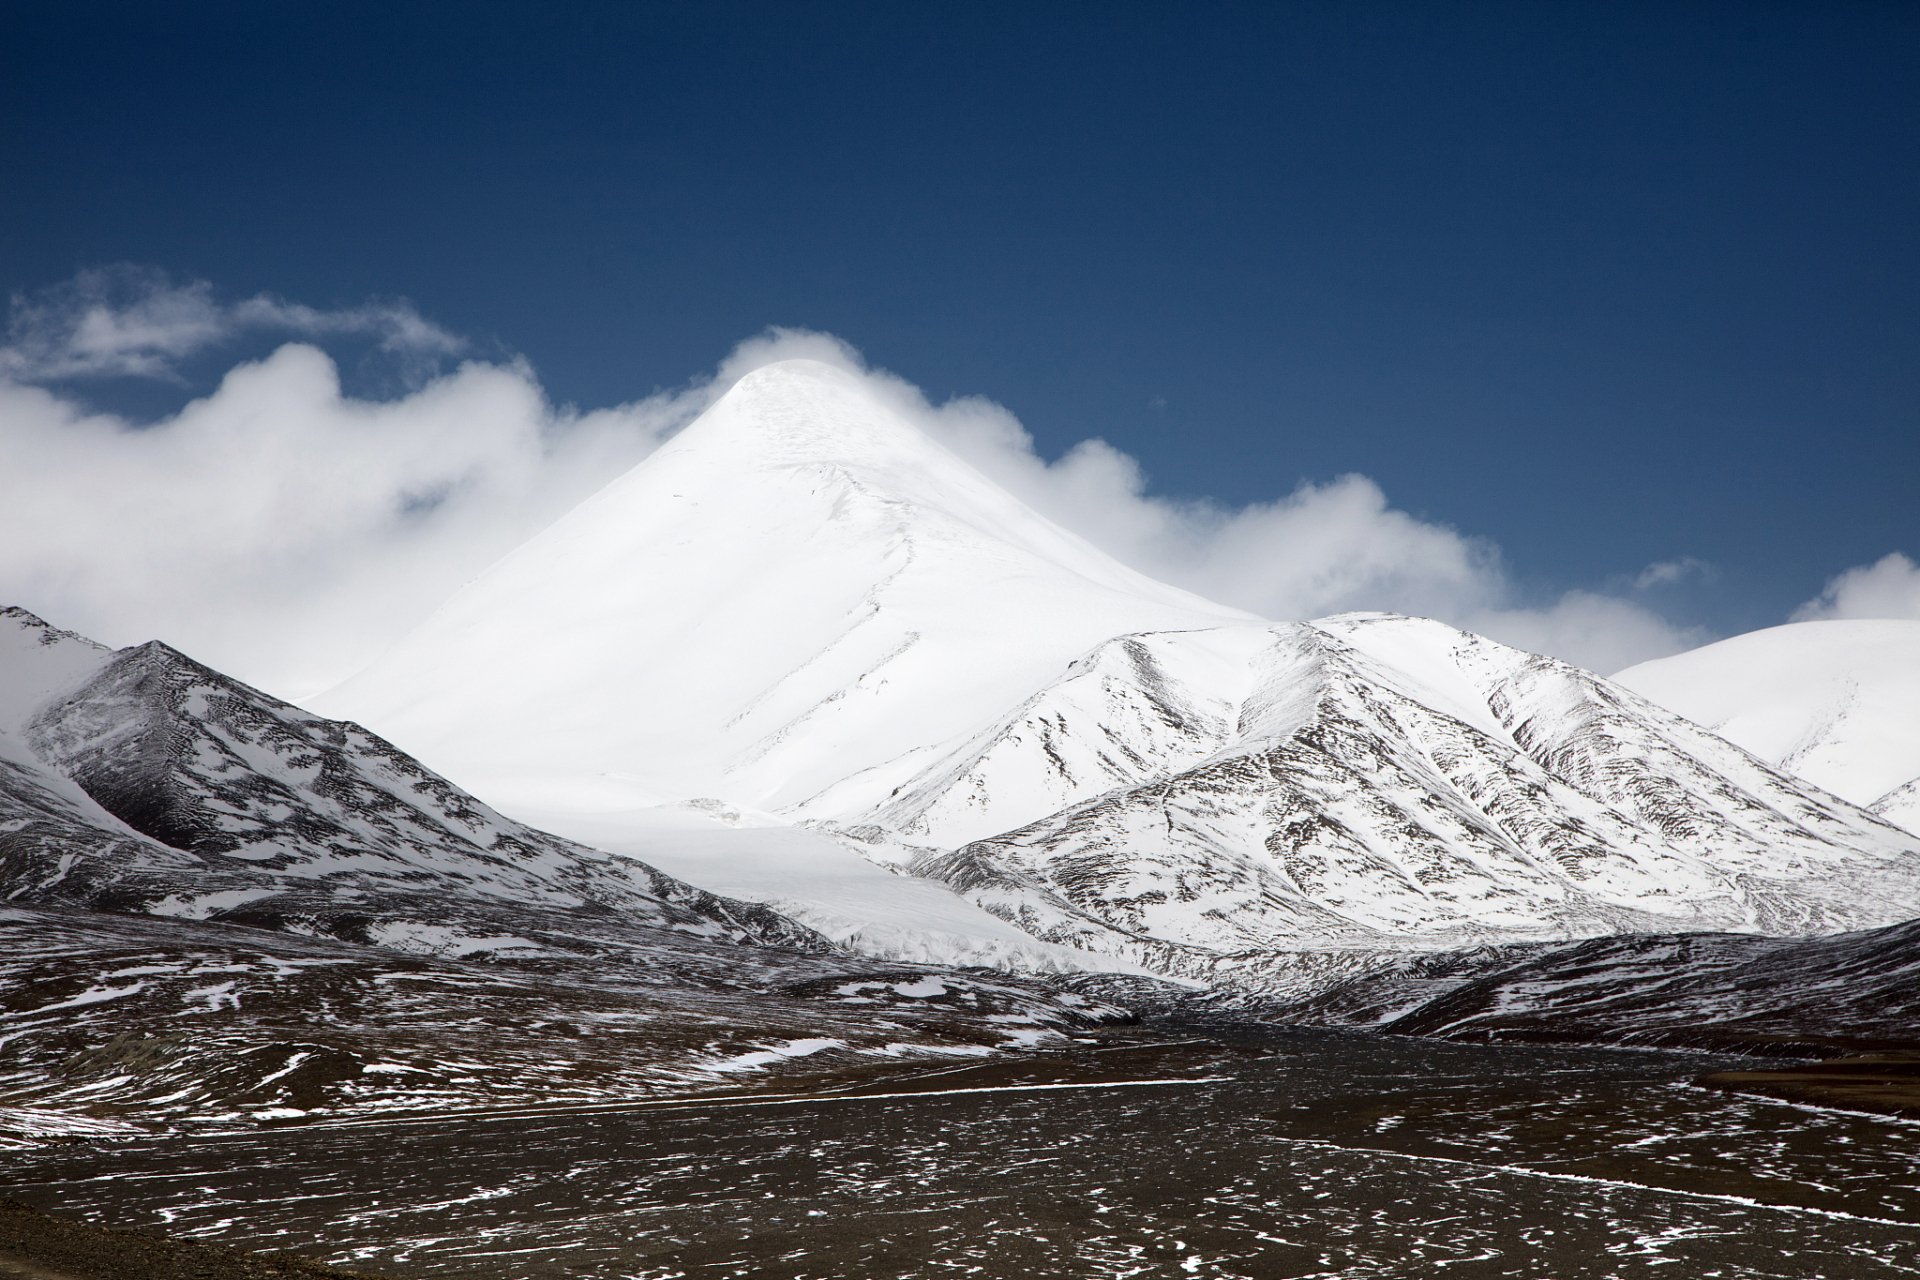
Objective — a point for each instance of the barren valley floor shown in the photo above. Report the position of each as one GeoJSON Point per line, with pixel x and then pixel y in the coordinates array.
{"type": "Point", "coordinates": [1176, 1150]}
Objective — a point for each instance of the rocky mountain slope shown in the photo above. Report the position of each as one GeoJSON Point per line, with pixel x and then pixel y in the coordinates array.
{"type": "Point", "coordinates": [147, 782]}
{"type": "Point", "coordinates": [1781, 997]}
{"type": "Point", "coordinates": [221, 906]}
{"type": "Point", "coordinates": [1374, 780]}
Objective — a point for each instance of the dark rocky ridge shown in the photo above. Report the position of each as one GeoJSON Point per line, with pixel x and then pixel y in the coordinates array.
{"type": "Point", "coordinates": [265, 796]}
{"type": "Point", "coordinates": [1729, 993]}
{"type": "Point", "coordinates": [1883, 1083]}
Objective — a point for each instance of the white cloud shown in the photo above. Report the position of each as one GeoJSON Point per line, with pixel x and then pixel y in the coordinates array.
{"type": "Point", "coordinates": [1322, 549]}
{"type": "Point", "coordinates": [129, 321]}
{"type": "Point", "coordinates": [1887, 588]}
{"type": "Point", "coordinates": [1668, 572]}
{"type": "Point", "coordinates": [1599, 632]}
{"type": "Point", "coordinates": [280, 531]}
{"type": "Point", "coordinates": [286, 533]}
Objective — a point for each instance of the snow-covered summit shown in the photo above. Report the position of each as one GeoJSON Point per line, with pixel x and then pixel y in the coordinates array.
{"type": "Point", "coordinates": [37, 661]}
{"type": "Point", "coordinates": [800, 587]}
{"type": "Point", "coordinates": [1837, 703]}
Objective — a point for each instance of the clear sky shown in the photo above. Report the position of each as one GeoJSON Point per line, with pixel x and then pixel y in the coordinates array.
{"type": "Point", "coordinates": [1609, 285]}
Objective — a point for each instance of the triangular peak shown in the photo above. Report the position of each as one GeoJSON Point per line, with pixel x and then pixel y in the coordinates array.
{"type": "Point", "coordinates": [801, 449]}
{"type": "Point", "coordinates": [806, 410]}
{"type": "Point", "coordinates": [802, 585]}
{"type": "Point", "coordinates": [38, 661]}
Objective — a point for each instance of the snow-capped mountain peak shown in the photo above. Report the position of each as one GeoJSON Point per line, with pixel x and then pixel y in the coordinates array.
{"type": "Point", "coordinates": [1205, 800]}
{"type": "Point", "coordinates": [1836, 702]}
{"type": "Point", "coordinates": [800, 587]}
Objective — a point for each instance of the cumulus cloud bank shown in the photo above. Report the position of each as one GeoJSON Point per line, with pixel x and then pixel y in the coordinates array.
{"type": "Point", "coordinates": [1887, 588]}
{"type": "Point", "coordinates": [286, 533]}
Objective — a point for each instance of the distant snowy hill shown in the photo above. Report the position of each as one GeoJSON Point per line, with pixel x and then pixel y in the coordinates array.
{"type": "Point", "coordinates": [804, 611]}
{"type": "Point", "coordinates": [1836, 703]}
{"type": "Point", "coordinates": [1901, 806]}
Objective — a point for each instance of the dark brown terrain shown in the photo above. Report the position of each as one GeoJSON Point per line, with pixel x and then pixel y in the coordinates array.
{"type": "Point", "coordinates": [1885, 1083]}
{"type": "Point", "coordinates": [39, 1246]}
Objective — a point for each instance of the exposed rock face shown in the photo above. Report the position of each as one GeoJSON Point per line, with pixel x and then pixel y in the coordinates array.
{"type": "Point", "coordinates": [1792, 997]}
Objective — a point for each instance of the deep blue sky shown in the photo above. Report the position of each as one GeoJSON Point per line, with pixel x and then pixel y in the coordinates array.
{"type": "Point", "coordinates": [1608, 284]}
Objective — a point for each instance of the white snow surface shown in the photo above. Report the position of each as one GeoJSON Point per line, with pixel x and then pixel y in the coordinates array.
{"type": "Point", "coordinates": [38, 663]}
{"type": "Point", "coordinates": [800, 593]}
{"type": "Point", "coordinates": [818, 881]}
{"type": "Point", "coordinates": [1374, 780]}
{"type": "Point", "coordinates": [1837, 703]}
{"type": "Point", "coordinates": [1901, 806]}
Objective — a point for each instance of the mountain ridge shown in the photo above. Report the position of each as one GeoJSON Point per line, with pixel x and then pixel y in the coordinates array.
{"type": "Point", "coordinates": [805, 608]}
{"type": "Point", "coordinates": [779, 570]}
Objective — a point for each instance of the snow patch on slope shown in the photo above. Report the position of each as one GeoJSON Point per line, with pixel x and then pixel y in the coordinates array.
{"type": "Point", "coordinates": [820, 882]}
